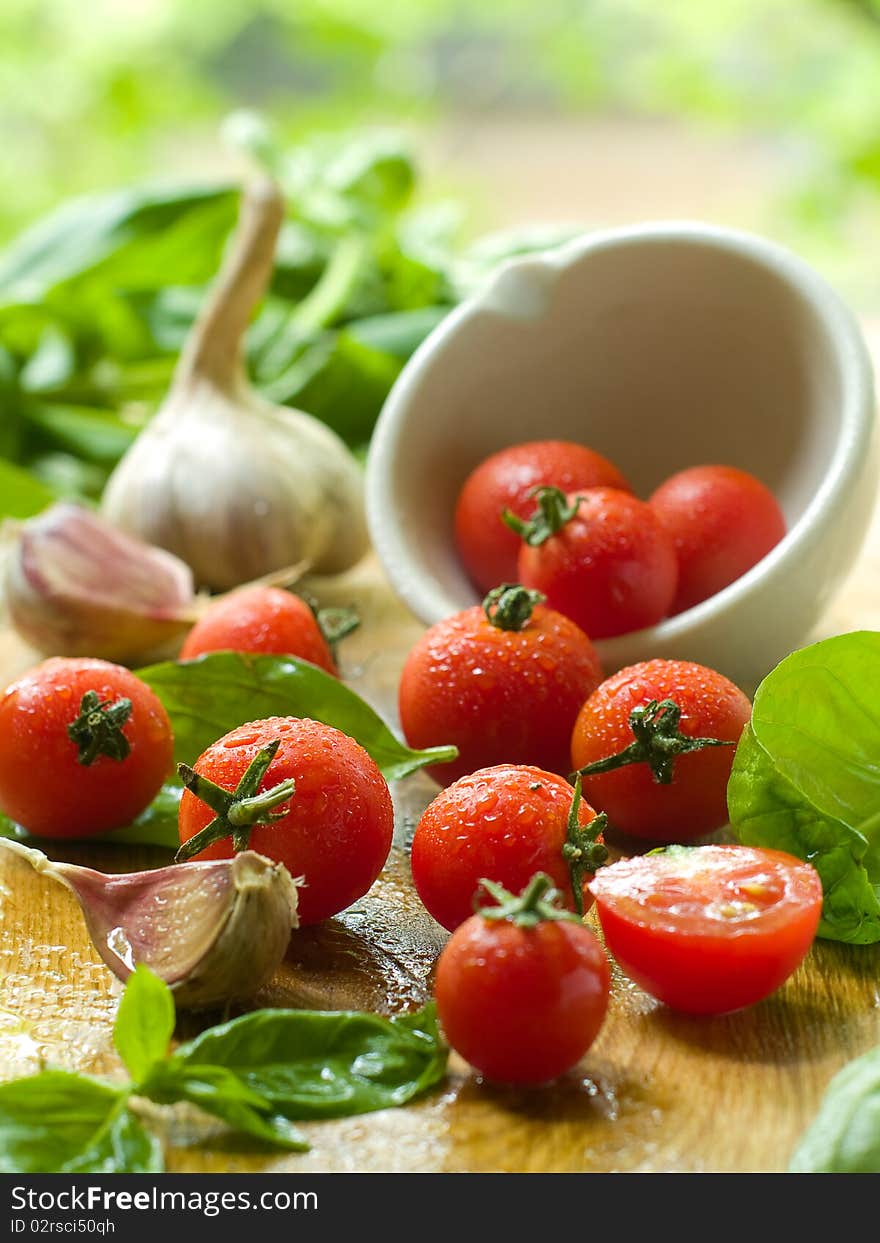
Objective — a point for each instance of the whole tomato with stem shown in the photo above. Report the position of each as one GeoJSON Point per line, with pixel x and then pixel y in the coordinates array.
{"type": "Point", "coordinates": [265, 619]}
{"type": "Point", "coordinates": [503, 681]}
{"type": "Point", "coordinates": [84, 747]}
{"type": "Point", "coordinates": [722, 521]}
{"type": "Point", "coordinates": [654, 745]}
{"type": "Point", "coordinates": [602, 558]}
{"type": "Point", "coordinates": [709, 929]}
{"type": "Point", "coordinates": [522, 987]}
{"type": "Point", "coordinates": [506, 480]}
{"type": "Point", "coordinates": [505, 824]}
{"type": "Point", "coordinates": [296, 791]}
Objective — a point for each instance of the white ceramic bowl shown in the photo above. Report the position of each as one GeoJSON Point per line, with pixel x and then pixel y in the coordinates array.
{"type": "Point", "coordinates": [661, 346]}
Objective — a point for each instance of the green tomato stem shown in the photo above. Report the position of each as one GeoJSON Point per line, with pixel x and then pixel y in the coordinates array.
{"type": "Point", "coordinates": [535, 905]}
{"type": "Point", "coordinates": [97, 730]}
{"type": "Point", "coordinates": [237, 811]}
{"type": "Point", "coordinates": [510, 606]}
{"type": "Point", "coordinates": [551, 515]}
{"type": "Point", "coordinates": [658, 742]}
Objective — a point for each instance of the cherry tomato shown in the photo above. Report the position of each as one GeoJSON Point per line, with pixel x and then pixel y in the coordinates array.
{"type": "Point", "coordinates": [503, 682]}
{"type": "Point", "coordinates": [487, 547]}
{"type": "Point", "coordinates": [722, 521]}
{"type": "Point", "coordinates": [84, 747]}
{"type": "Point", "coordinates": [522, 993]}
{"type": "Point", "coordinates": [656, 727]}
{"type": "Point", "coordinates": [504, 824]}
{"type": "Point", "coordinates": [602, 558]}
{"type": "Point", "coordinates": [708, 929]}
{"type": "Point", "coordinates": [262, 619]}
{"type": "Point", "coordinates": [333, 828]}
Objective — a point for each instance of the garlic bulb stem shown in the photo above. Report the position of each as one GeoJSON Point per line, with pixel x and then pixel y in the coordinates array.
{"type": "Point", "coordinates": [214, 349]}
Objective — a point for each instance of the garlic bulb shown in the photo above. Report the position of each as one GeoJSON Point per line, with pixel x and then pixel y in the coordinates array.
{"type": "Point", "coordinates": [233, 485]}
{"type": "Point", "coordinates": [75, 586]}
{"type": "Point", "coordinates": [214, 932]}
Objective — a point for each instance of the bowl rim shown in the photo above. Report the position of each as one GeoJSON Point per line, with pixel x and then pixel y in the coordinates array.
{"type": "Point", "coordinates": [830, 313]}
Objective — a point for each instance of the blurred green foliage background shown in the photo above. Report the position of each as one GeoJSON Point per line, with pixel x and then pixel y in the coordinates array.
{"type": "Point", "coordinates": [400, 132]}
{"type": "Point", "coordinates": [100, 94]}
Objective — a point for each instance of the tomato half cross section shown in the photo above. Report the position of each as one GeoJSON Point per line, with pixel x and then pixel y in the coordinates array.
{"type": "Point", "coordinates": [709, 929]}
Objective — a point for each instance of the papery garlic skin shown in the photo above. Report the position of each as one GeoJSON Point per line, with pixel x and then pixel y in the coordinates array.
{"type": "Point", "coordinates": [214, 931]}
{"type": "Point", "coordinates": [75, 586]}
{"type": "Point", "coordinates": [233, 485]}
{"type": "Point", "coordinates": [237, 487]}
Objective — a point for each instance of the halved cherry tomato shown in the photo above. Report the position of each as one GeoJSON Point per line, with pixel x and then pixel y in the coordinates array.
{"type": "Point", "coordinates": [722, 521]}
{"type": "Point", "coordinates": [84, 747]}
{"type": "Point", "coordinates": [504, 824]}
{"type": "Point", "coordinates": [708, 929]}
{"type": "Point", "coordinates": [505, 480]}
{"type": "Point", "coordinates": [522, 988]}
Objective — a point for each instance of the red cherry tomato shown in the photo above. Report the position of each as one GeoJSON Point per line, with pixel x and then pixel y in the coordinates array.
{"type": "Point", "coordinates": [503, 824]}
{"type": "Point", "coordinates": [498, 692]}
{"type": "Point", "coordinates": [522, 1000]}
{"type": "Point", "coordinates": [260, 619]}
{"type": "Point", "coordinates": [708, 929]}
{"type": "Point", "coordinates": [74, 759]}
{"type": "Point", "coordinates": [334, 829]}
{"type": "Point", "coordinates": [609, 565]}
{"type": "Point", "coordinates": [689, 796]}
{"type": "Point", "coordinates": [487, 547]}
{"type": "Point", "coordinates": [722, 521]}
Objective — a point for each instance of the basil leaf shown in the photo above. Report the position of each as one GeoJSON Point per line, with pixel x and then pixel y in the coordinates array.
{"type": "Point", "coordinates": [325, 1064]}
{"type": "Point", "coordinates": [806, 776]}
{"type": "Point", "coordinates": [21, 493]}
{"type": "Point", "coordinates": [144, 1022]}
{"type": "Point", "coordinates": [220, 1092]}
{"type": "Point", "coordinates": [124, 1147]}
{"type": "Point", "coordinates": [54, 1120]}
{"type": "Point", "coordinates": [207, 697]}
{"type": "Point", "coordinates": [155, 826]}
{"type": "Point", "coordinates": [844, 1138]}
{"type": "Point", "coordinates": [116, 237]}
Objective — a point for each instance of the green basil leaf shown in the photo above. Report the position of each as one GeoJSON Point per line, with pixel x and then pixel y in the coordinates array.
{"type": "Point", "coordinates": [97, 435]}
{"type": "Point", "coordinates": [21, 494]}
{"type": "Point", "coordinates": [51, 1121]}
{"type": "Point", "coordinates": [325, 1064]}
{"type": "Point", "coordinates": [144, 1022]}
{"type": "Point", "coordinates": [118, 237]}
{"type": "Point", "coordinates": [124, 1147]}
{"type": "Point", "coordinates": [207, 697]}
{"type": "Point", "coordinates": [806, 776]}
{"type": "Point", "coordinates": [221, 1093]}
{"type": "Point", "coordinates": [155, 826]}
{"type": "Point", "coordinates": [844, 1137]}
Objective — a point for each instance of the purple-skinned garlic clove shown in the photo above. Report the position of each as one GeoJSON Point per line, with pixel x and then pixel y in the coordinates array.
{"type": "Point", "coordinates": [76, 586]}
{"type": "Point", "coordinates": [213, 931]}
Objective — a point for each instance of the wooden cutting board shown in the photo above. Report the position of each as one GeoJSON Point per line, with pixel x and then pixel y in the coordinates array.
{"type": "Point", "coordinates": [657, 1092]}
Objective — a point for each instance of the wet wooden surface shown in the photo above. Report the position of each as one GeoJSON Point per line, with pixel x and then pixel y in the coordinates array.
{"type": "Point", "coordinates": [657, 1092]}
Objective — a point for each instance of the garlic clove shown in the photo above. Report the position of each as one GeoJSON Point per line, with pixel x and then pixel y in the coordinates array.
{"type": "Point", "coordinates": [213, 931]}
{"type": "Point", "coordinates": [233, 485]}
{"type": "Point", "coordinates": [76, 586]}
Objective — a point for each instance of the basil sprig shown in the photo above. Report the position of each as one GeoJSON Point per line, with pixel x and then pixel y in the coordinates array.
{"type": "Point", "coordinates": [258, 1073]}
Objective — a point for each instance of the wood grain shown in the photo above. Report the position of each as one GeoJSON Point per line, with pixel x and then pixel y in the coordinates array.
{"type": "Point", "coordinates": [657, 1092]}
